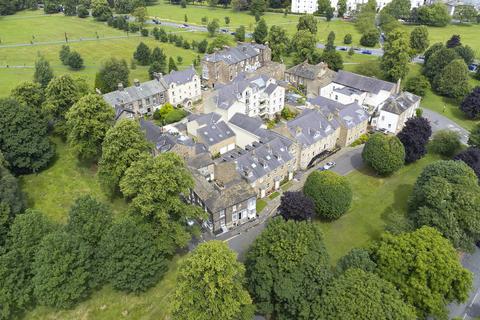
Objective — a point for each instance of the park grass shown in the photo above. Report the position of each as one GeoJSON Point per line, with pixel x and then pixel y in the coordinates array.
{"type": "Point", "coordinates": [374, 199]}
{"type": "Point", "coordinates": [53, 190]}
{"type": "Point", "coordinates": [108, 304]}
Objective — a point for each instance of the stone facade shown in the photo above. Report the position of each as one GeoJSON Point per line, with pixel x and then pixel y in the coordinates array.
{"type": "Point", "coordinates": [310, 78]}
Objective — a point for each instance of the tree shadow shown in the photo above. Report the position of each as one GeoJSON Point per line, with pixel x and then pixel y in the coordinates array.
{"type": "Point", "coordinates": [395, 215]}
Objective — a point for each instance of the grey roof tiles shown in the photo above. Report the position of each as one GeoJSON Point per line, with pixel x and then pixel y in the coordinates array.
{"type": "Point", "coordinates": [362, 83]}
{"type": "Point", "coordinates": [236, 54]}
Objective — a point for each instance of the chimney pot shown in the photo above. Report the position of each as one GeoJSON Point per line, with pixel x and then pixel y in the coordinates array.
{"type": "Point", "coordinates": [136, 82]}
{"type": "Point", "coordinates": [120, 86]}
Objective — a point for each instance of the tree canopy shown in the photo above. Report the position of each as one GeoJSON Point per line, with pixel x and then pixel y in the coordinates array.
{"type": "Point", "coordinates": [419, 39]}
{"type": "Point", "coordinates": [287, 268]}
{"type": "Point", "coordinates": [330, 192]}
{"type": "Point", "coordinates": [29, 93]}
{"type": "Point", "coordinates": [43, 72]}
{"type": "Point", "coordinates": [396, 56]}
{"type": "Point", "coordinates": [471, 157]}
{"type": "Point", "coordinates": [384, 154]}
{"type": "Point", "coordinates": [414, 137]}
{"type": "Point", "coordinates": [296, 206]}
{"type": "Point", "coordinates": [471, 104]}
{"type": "Point", "coordinates": [307, 22]}
{"type": "Point", "coordinates": [357, 258]}
{"type": "Point", "coordinates": [446, 142]}
{"type": "Point", "coordinates": [424, 267]}
{"type": "Point", "coordinates": [453, 80]}
{"type": "Point", "coordinates": [210, 285]}
{"type": "Point", "coordinates": [260, 33]}
{"type": "Point", "coordinates": [111, 73]}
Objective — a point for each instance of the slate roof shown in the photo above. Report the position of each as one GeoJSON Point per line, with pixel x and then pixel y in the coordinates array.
{"type": "Point", "coordinates": [201, 161]}
{"type": "Point", "coordinates": [236, 54]}
{"type": "Point", "coordinates": [180, 77]}
{"type": "Point", "coordinates": [135, 93]}
{"type": "Point", "coordinates": [311, 126]}
{"type": "Point", "coordinates": [214, 133]}
{"type": "Point", "coordinates": [399, 103]}
{"type": "Point", "coordinates": [249, 124]}
{"type": "Point", "coordinates": [350, 115]}
{"type": "Point", "coordinates": [362, 83]}
{"type": "Point", "coordinates": [306, 70]}
{"type": "Point", "coordinates": [204, 118]}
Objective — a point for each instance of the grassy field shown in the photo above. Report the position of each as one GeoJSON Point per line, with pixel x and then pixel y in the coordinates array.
{"type": "Point", "coordinates": [373, 198]}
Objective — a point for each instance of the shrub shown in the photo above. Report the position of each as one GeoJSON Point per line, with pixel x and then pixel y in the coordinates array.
{"type": "Point", "coordinates": [361, 140]}
{"type": "Point", "coordinates": [82, 12]}
{"type": "Point", "coordinates": [384, 154]}
{"type": "Point", "coordinates": [370, 38]}
{"type": "Point", "coordinates": [347, 39]}
{"type": "Point", "coordinates": [330, 192]}
{"type": "Point", "coordinates": [144, 32]}
{"type": "Point", "coordinates": [446, 143]}
{"type": "Point", "coordinates": [418, 85]}
{"type": "Point", "coordinates": [75, 60]}
{"type": "Point", "coordinates": [471, 104]}
{"type": "Point", "coordinates": [175, 115]}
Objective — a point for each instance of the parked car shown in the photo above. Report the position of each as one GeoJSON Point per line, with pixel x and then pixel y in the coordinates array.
{"type": "Point", "coordinates": [224, 30]}
{"type": "Point", "coordinates": [382, 130]}
{"type": "Point", "coordinates": [343, 48]}
{"type": "Point", "coordinates": [185, 25]}
{"type": "Point", "coordinates": [327, 166]}
{"type": "Point", "coordinates": [472, 67]}
{"type": "Point", "coordinates": [366, 52]}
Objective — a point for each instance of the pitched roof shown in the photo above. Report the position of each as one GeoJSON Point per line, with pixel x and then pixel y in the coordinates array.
{"type": "Point", "coordinates": [399, 103]}
{"type": "Point", "coordinates": [311, 126]}
{"type": "Point", "coordinates": [204, 118]}
{"type": "Point", "coordinates": [246, 123]}
{"type": "Point", "coordinates": [362, 83]}
{"type": "Point", "coordinates": [234, 55]}
{"type": "Point", "coordinates": [136, 92]}
{"type": "Point", "coordinates": [214, 133]}
{"type": "Point", "coordinates": [349, 115]}
{"type": "Point", "coordinates": [180, 77]}
{"type": "Point", "coordinates": [200, 161]}
{"type": "Point", "coordinates": [308, 71]}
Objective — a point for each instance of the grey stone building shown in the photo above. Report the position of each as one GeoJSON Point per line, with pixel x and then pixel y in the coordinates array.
{"type": "Point", "coordinates": [310, 77]}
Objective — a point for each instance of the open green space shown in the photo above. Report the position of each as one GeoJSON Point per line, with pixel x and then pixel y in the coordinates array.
{"type": "Point", "coordinates": [54, 190]}
{"type": "Point", "coordinates": [374, 198]}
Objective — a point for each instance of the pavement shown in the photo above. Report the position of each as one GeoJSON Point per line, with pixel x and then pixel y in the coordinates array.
{"type": "Point", "coordinates": [440, 122]}
{"type": "Point", "coordinates": [471, 308]}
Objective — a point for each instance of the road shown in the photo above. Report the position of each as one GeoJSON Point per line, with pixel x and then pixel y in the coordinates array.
{"type": "Point", "coordinates": [440, 122]}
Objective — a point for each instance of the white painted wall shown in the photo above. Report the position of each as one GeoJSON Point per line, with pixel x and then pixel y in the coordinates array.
{"type": "Point", "coordinates": [177, 93]}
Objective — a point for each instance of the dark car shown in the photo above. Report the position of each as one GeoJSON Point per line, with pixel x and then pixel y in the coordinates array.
{"type": "Point", "coordinates": [343, 48]}
{"type": "Point", "coordinates": [472, 67]}
{"type": "Point", "coordinates": [185, 25]}
{"type": "Point", "coordinates": [366, 52]}
{"type": "Point", "coordinates": [233, 33]}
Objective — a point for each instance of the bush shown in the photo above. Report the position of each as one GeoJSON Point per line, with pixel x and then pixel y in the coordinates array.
{"type": "Point", "coordinates": [361, 140]}
{"type": "Point", "coordinates": [75, 60]}
{"type": "Point", "coordinates": [296, 206]}
{"type": "Point", "coordinates": [357, 258]}
{"type": "Point", "coordinates": [144, 32]}
{"type": "Point", "coordinates": [347, 39]}
{"type": "Point", "coordinates": [471, 104]}
{"type": "Point", "coordinates": [330, 192]}
{"type": "Point", "coordinates": [370, 38]}
{"type": "Point", "coordinates": [384, 154]}
{"type": "Point", "coordinates": [446, 143]}
{"type": "Point", "coordinates": [418, 85]}
{"type": "Point", "coordinates": [175, 115]}
{"type": "Point", "coordinates": [471, 157]}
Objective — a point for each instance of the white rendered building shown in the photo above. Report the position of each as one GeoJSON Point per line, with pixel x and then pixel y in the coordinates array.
{"type": "Point", "coordinates": [183, 87]}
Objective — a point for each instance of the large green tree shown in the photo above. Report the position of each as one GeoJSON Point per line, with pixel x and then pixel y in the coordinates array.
{"type": "Point", "coordinates": [278, 41]}
{"type": "Point", "coordinates": [384, 154]}
{"type": "Point", "coordinates": [436, 58]}
{"type": "Point", "coordinates": [398, 9]}
{"type": "Point", "coordinates": [43, 72]}
{"type": "Point", "coordinates": [445, 197]}
{"type": "Point", "coordinates": [330, 192]}
{"type": "Point", "coordinates": [16, 271]}
{"type": "Point", "coordinates": [260, 33]}
{"type": "Point", "coordinates": [364, 296]}
{"type": "Point", "coordinates": [453, 80]}
{"type": "Point", "coordinates": [434, 15]}
{"type": "Point", "coordinates": [396, 55]}
{"type": "Point", "coordinates": [132, 259]}
{"type": "Point", "coordinates": [88, 121]}
{"type": "Point", "coordinates": [122, 146]}
{"type": "Point", "coordinates": [303, 46]}
{"type": "Point", "coordinates": [419, 39]}
{"type": "Point", "coordinates": [425, 268]}
{"type": "Point", "coordinates": [111, 73]}
{"type": "Point", "coordinates": [307, 22]}
{"type": "Point", "coordinates": [210, 285]}
{"type": "Point", "coordinates": [23, 137]}
{"type": "Point", "coordinates": [357, 258]}
{"type": "Point", "coordinates": [287, 268]}
{"type": "Point", "coordinates": [323, 5]}
{"type": "Point", "coordinates": [29, 93]}
{"type": "Point", "coordinates": [61, 94]}
{"type": "Point", "coordinates": [142, 54]}
{"type": "Point", "coordinates": [61, 270]}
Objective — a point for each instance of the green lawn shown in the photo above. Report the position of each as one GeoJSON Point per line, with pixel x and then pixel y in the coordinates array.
{"type": "Point", "coordinates": [273, 195]}
{"type": "Point", "coordinates": [261, 204]}
{"type": "Point", "coordinates": [373, 198]}
{"type": "Point", "coordinates": [53, 190]}
{"type": "Point", "coordinates": [108, 304]}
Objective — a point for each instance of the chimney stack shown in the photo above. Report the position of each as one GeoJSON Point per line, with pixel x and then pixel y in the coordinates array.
{"type": "Point", "coordinates": [399, 81]}
{"type": "Point", "coordinates": [136, 82]}
{"type": "Point", "coordinates": [120, 86]}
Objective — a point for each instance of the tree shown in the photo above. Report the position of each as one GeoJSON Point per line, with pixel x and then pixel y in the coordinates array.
{"type": "Point", "coordinates": [307, 22]}
{"type": "Point", "coordinates": [365, 295]}
{"type": "Point", "coordinates": [64, 53]}
{"type": "Point", "coordinates": [424, 267]}
{"type": "Point", "coordinates": [159, 57]}
{"type": "Point", "coordinates": [219, 42]}
{"type": "Point", "coordinates": [303, 44]}
{"type": "Point", "coordinates": [133, 261]}
{"type": "Point", "coordinates": [100, 10]}
{"type": "Point", "coordinates": [202, 46]}
{"type": "Point", "coordinates": [213, 27]}
{"type": "Point", "coordinates": [82, 11]}
{"type": "Point", "coordinates": [52, 6]}
{"type": "Point", "coordinates": [418, 85]}
{"type": "Point", "coordinates": [296, 206]}
{"type": "Point", "coordinates": [370, 38]}
{"type": "Point", "coordinates": [323, 5]}
{"type": "Point", "coordinates": [474, 137]}
{"type": "Point", "coordinates": [61, 271]}
{"type": "Point", "coordinates": [142, 54]}
{"type": "Point", "coordinates": [227, 20]}
{"type": "Point", "coordinates": [70, 7]}
{"type": "Point", "coordinates": [333, 59]}
{"type": "Point", "coordinates": [330, 46]}
{"type": "Point", "coordinates": [212, 3]}
{"type": "Point", "coordinates": [444, 197]}
{"type": "Point", "coordinates": [387, 22]}
{"type": "Point", "coordinates": [466, 53]}
{"type": "Point", "coordinates": [414, 137]}
{"type": "Point", "coordinates": [329, 13]}
{"type": "Point", "coordinates": [239, 5]}
{"type": "Point", "coordinates": [446, 143]}
{"type": "Point", "coordinates": [171, 65]}
{"type": "Point", "coordinates": [29, 93]}
{"type": "Point", "coordinates": [258, 7]}
{"type": "Point", "coordinates": [436, 60]}
{"type": "Point", "coordinates": [122, 146]}
{"type": "Point", "coordinates": [471, 104]}
{"type": "Point", "coordinates": [154, 186]}
{"type": "Point", "coordinates": [471, 157]}
{"type": "Point", "coordinates": [454, 41]}
{"type": "Point", "coordinates": [140, 14]}
{"type": "Point", "coordinates": [111, 73]}
{"type": "Point", "coordinates": [419, 39]}
{"type": "Point", "coordinates": [210, 285]}
{"type": "Point", "coordinates": [16, 272]}
{"type": "Point", "coordinates": [400, 9]}
{"type": "Point", "coordinates": [287, 268]}
{"type": "Point", "coordinates": [330, 192]}
{"type": "Point", "coordinates": [431, 50]}
{"type": "Point", "coordinates": [23, 137]}
{"type": "Point", "coordinates": [183, 4]}
{"type": "Point", "coordinates": [433, 15]}
{"type": "Point", "coordinates": [465, 13]}
{"type": "Point", "coordinates": [88, 122]}
{"type": "Point", "coordinates": [240, 34]}
{"type": "Point", "coordinates": [261, 32]}
{"type": "Point", "coordinates": [453, 80]}
{"type": "Point", "coordinates": [43, 72]}
{"type": "Point", "coordinates": [75, 60]}
{"type": "Point", "coordinates": [278, 42]}
{"type": "Point", "coordinates": [341, 8]}
{"type": "Point", "coordinates": [61, 93]}
{"type": "Point", "coordinates": [396, 57]}
{"type": "Point", "coordinates": [357, 258]}
{"type": "Point", "coordinates": [347, 39]}
{"type": "Point", "coordinates": [384, 154]}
